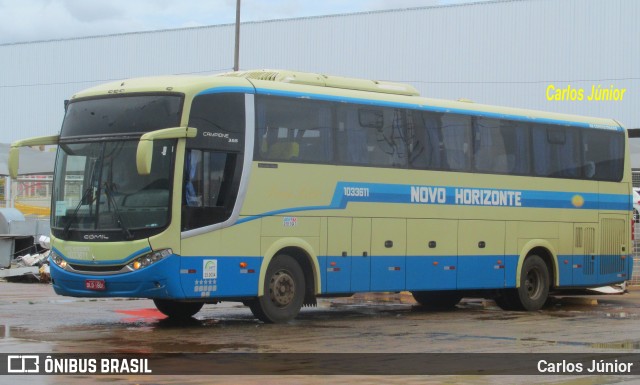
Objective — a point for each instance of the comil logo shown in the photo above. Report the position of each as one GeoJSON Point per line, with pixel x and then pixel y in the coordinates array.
{"type": "Point", "coordinates": [23, 364]}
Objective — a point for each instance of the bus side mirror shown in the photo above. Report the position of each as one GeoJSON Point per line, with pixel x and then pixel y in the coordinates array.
{"type": "Point", "coordinates": [14, 160]}
{"type": "Point", "coordinates": [144, 156]}
{"type": "Point", "coordinates": [144, 152]}
{"type": "Point", "coordinates": [14, 152]}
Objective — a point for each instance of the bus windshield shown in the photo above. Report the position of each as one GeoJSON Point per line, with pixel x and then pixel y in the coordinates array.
{"type": "Point", "coordinates": [98, 189]}
{"type": "Point", "coordinates": [98, 194]}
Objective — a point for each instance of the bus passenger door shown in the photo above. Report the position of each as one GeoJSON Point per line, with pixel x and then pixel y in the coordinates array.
{"type": "Point", "coordinates": [388, 254]}
{"type": "Point", "coordinates": [339, 255]}
{"type": "Point", "coordinates": [361, 259]}
{"type": "Point", "coordinates": [481, 262]}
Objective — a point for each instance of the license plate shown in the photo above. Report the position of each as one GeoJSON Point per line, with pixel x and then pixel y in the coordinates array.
{"type": "Point", "coordinates": [95, 284]}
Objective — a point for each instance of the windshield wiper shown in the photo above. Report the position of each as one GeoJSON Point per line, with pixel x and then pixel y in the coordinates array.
{"type": "Point", "coordinates": [116, 210]}
{"type": "Point", "coordinates": [74, 215]}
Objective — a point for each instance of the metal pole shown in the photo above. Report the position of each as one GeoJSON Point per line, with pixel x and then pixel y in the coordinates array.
{"type": "Point", "coordinates": [236, 55]}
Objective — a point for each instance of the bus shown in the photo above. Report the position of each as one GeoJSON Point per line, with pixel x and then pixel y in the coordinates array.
{"type": "Point", "coordinates": [274, 188]}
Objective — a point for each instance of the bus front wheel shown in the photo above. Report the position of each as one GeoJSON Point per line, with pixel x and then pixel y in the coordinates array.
{"type": "Point", "coordinates": [177, 310]}
{"type": "Point", "coordinates": [283, 291]}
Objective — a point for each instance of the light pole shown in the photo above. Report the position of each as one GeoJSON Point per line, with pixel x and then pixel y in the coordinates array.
{"type": "Point", "coordinates": [236, 54]}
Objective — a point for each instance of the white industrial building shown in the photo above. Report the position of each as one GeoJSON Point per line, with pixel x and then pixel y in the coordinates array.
{"type": "Point", "coordinates": [507, 52]}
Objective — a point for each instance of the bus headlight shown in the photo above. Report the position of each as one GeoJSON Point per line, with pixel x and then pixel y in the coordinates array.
{"type": "Point", "coordinates": [57, 259]}
{"type": "Point", "coordinates": [149, 259]}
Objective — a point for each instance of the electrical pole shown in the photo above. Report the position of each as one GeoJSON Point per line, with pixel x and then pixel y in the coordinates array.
{"type": "Point", "coordinates": [236, 55]}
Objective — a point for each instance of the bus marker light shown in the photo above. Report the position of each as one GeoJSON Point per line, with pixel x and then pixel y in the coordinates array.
{"type": "Point", "coordinates": [332, 263]}
{"type": "Point", "coordinates": [435, 263]}
{"type": "Point", "coordinates": [243, 265]}
{"type": "Point", "coordinates": [191, 271]}
{"type": "Point", "coordinates": [623, 256]}
{"type": "Point", "coordinates": [566, 261]}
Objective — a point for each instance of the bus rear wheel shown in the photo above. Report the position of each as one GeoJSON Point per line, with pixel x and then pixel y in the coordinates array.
{"type": "Point", "coordinates": [534, 287]}
{"type": "Point", "coordinates": [283, 291]}
{"type": "Point", "coordinates": [437, 300]}
{"type": "Point", "coordinates": [176, 309]}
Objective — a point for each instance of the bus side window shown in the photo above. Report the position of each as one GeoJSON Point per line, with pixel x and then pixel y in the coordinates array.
{"type": "Point", "coordinates": [352, 147]}
{"type": "Point", "coordinates": [456, 133]}
{"type": "Point", "coordinates": [556, 151]}
{"type": "Point", "coordinates": [490, 152]}
{"type": "Point", "coordinates": [281, 144]}
{"type": "Point", "coordinates": [296, 130]}
{"type": "Point", "coordinates": [425, 140]}
{"type": "Point", "coordinates": [603, 154]}
{"type": "Point", "coordinates": [208, 190]}
{"type": "Point", "coordinates": [517, 141]}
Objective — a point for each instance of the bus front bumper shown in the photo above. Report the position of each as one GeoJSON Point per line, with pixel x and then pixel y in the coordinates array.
{"type": "Point", "coordinates": [160, 280]}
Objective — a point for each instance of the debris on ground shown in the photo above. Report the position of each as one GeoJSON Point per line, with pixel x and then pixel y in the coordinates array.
{"type": "Point", "coordinates": [31, 267]}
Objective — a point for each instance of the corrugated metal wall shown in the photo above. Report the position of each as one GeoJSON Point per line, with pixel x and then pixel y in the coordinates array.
{"type": "Point", "coordinates": [502, 52]}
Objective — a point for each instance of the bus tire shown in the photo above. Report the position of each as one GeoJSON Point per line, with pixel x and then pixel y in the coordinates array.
{"type": "Point", "coordinates": [176, 309]}
{"type": "Point", "coordinates": [534, 284]}
{"type": "Point", "coordinates": [437, 300]}
{"type": "Point", "coordinates": [284, 289]}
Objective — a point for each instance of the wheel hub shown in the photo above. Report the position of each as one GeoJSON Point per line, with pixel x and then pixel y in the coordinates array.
{"type": "Point", "coordinates": [282, 288]}
{"type": "Point", "coordinates": [532, 284]}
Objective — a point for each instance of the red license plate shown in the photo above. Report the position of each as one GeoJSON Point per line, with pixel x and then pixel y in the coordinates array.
{"type": "Point", "coordinates": [95, 284]}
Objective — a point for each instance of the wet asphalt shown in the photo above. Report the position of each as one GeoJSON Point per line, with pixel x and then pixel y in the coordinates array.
{"type": "Point", "coordinates": [33, 319]}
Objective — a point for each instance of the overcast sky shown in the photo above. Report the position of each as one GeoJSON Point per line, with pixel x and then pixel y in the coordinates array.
{"type": "Point", "coordinates": [34, 20]}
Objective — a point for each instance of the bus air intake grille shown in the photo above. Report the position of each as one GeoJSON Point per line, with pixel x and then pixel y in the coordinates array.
{"type": "Point", "coordinates": [96, 268]}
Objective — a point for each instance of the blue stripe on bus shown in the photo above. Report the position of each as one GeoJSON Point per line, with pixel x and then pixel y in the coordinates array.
{"type": "Point", "coordinates": [218, 90]}
{"type": "Point", "coordinates": [180, 277]}
{"type": "Point", "coordinates": [347, 192]}
{"type": "Point", "coordinates": [465, 272]}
